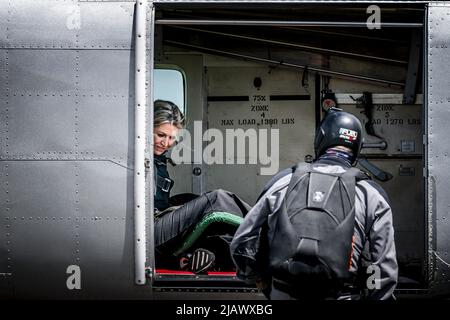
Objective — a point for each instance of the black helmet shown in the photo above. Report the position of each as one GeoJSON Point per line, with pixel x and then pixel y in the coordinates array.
{"type": "Point", "coordinates": [339, 128]}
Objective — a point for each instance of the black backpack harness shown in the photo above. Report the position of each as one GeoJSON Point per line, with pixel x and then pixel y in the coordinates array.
{"type": "Point", "coordinates": [311, 235]}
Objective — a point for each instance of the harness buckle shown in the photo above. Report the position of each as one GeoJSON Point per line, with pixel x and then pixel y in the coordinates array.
{"type": "Point", "coordinates": [166, 185]}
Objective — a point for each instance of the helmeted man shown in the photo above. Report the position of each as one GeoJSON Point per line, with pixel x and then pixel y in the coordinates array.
{"type": "Point", "coordinates": [294, 243]}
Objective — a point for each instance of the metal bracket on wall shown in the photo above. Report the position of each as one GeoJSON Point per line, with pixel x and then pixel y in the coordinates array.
{"type": "Point", "coordinates": [413, 67]}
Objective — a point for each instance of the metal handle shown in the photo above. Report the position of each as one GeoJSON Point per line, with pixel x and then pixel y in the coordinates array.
{"type": "Point", "coordinates": [377, 145]}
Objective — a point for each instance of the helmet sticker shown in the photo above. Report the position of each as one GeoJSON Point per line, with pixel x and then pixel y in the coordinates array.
{"type": "Point", "coordinates": [347, 134]}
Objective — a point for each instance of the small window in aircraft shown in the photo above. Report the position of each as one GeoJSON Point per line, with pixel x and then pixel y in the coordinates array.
{"type": "Point", "coordinates": [169, 85]}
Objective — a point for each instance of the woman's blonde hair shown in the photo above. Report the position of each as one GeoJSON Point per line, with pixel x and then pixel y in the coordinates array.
{"type": "Point", "coordinates": [167, 112]}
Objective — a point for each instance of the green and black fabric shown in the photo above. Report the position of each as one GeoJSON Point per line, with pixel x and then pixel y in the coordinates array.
{"type": "Point", "coordinates": [224, 218]}
{"type": "Point", "coordinates": [178, 225]}
{"type": "Point", "coordinates": [208, 221]}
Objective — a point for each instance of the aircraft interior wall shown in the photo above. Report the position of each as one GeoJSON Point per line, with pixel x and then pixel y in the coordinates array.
{"type": "Point", "coordinates": [240, 94]}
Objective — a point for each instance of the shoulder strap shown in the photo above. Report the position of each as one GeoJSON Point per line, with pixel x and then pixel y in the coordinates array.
{"type": "Point", "coordinates": [300, 170]}
{"type": "Point", "coordinates": [350, 177]}
{"type": "Point", "coordinates": [165, 184]}
{"type": "Point", "coordinates": [274, 179]}
{"type": "Point", "coordinates": [155, 178]}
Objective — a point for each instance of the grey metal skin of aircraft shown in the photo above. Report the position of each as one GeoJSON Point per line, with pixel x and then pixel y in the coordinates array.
{"type": "Point", "coordinates": [76, 90]}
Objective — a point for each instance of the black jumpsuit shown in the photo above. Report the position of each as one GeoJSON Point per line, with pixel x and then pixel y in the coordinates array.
{"type": "Point", "coordinates": [173, 223]}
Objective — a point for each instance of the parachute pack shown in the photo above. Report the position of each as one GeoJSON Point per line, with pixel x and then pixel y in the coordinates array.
{"type": "Point", "coordinates": [312, 239]}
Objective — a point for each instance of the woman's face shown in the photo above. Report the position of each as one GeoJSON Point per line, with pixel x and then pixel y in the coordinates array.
{"type": "Point", "coordinates": [164, 137]}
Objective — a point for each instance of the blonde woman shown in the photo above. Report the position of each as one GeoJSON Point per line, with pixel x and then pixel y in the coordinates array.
{"type": "Point", "coordinates": [174, 222]}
